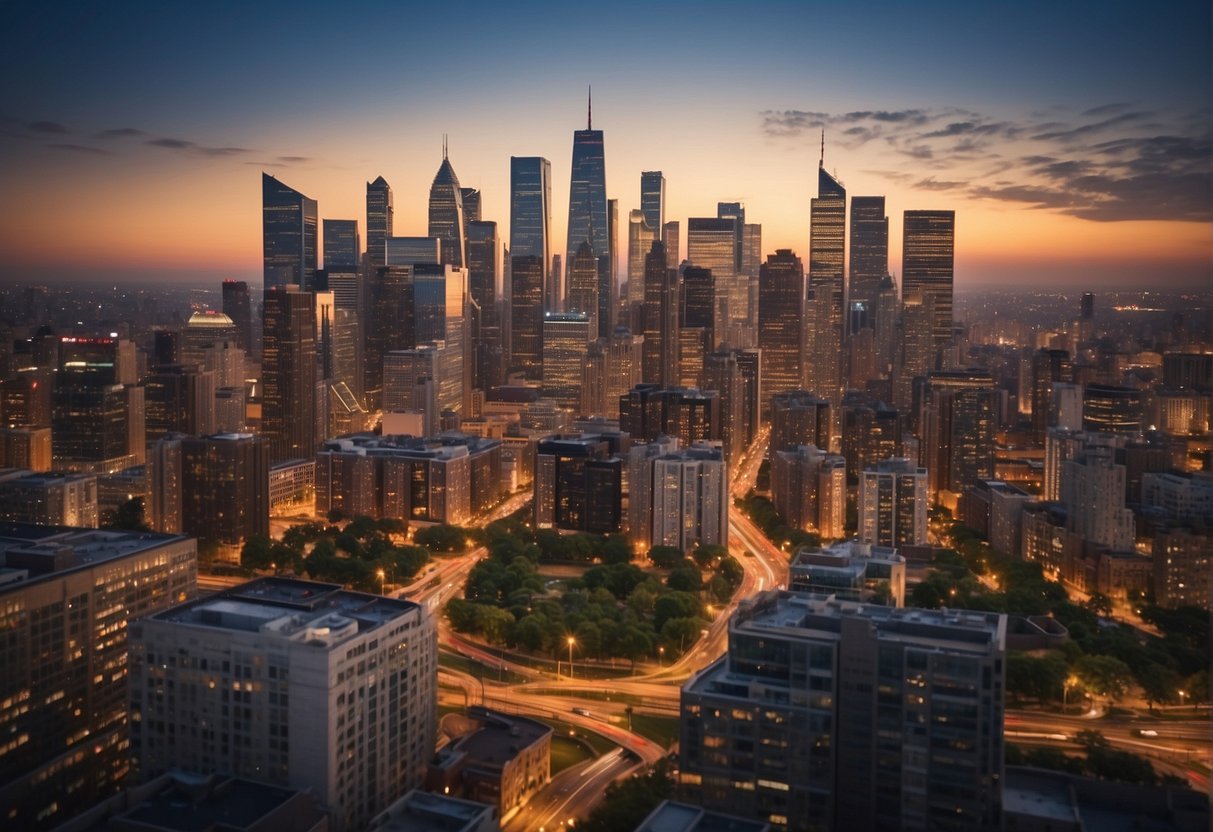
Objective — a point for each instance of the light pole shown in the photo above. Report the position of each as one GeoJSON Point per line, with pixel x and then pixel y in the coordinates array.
{"type": "Point", "coordinates": [1182, 694]}
{"type": "Point", "coordinates": [380, 573]}
{"type": "Point", "coordinates": [661, 656]}
{"type": "Point", "coordinates": [571, 643]}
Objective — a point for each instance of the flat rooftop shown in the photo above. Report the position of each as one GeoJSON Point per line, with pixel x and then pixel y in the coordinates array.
{"type": "Point", "coordinates": [500, 738]}
{"type": "Point", "coordinates": [420, 811]}
{"type": "Point", "coordinates": [226, 804]}
{"type": "Point", "coordinates": [671, 816]}
{"type": "Point", "coordinates": [52, 551]}
{"type": "Point", "coordinates": [294, 610]}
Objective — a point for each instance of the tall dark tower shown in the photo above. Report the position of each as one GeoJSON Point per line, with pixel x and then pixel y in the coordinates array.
{"type": "Point", "coordinates": [652, 198]}
{"type": "Point", "coordinates": [341, 244]}
{"type": "Point", "coordinates": [780, 312]}
{"type": "Point", "coordinates": [530, 254]}
{"type": "Point", "coordinates": [869, 249]}
{"type": "Point", "coordinates": [588, 220]}
{"type": "Point", "coordinates": [288, 230]}
{"type": "Point", "coordinates": [660, 351]}
{"type": "Point", "coordinates": [378, 222]}
{"type": "Point", "coordinates": [446, 213]}
{"type": "Point", "coordinates": [288, 373]}
{"type": "Point", "coordinates": [238, 306]}
{"type": "Point", "coordinates": [927, 253]}
{"type": "Point", "coordinates": [824, 313]}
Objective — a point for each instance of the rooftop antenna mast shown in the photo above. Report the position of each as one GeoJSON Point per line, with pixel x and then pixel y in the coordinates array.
{"type": "Point", "coordinates": [822, 162]}
{"type": "Point", "coordinates": [444, 146]}
{"type": "Point", "coordinates": [589, 109]}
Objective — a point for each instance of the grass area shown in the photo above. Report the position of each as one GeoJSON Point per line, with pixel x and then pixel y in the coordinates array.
{"type": "Point", "coordinates": [454, 661]}
{"type": "Point", "coordinates": [567, 752]}
{"type": "Point", "coordinates": [662, 730]}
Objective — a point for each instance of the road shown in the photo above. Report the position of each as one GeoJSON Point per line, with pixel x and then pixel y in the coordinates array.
{"type": "Point", "coordinates": [572, 794]}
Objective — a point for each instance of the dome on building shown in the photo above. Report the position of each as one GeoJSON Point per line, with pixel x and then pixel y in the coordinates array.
{"type": "Point", "coordinates": [210, 319]}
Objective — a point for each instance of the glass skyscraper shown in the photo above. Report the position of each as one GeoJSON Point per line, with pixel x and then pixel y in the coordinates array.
{"type": "Point", "coordinates": [530, 254]}
{"type": "Point", "coordinates": [588, 220]}
{"type": "Point", "coordinates": [927, 251]}
{"type": "Point", "coordinates": [446, 214]}
{"type": "Point", "coordinates": [378, 221]}
{"type": "Point", "coordinates": [823, 310]}
{"type": "Point", "coordinates": [288, 227]}
{"type": "Point", "coordinates": [869, 248]}
{"type": "Point", "coordinates": [341, 244]}
{"type": "Point", "coordinates": [652, 198]}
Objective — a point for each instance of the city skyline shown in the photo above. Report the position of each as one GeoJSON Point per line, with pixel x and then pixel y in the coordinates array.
{"type": "Point", "coordinates": [1087, 137]}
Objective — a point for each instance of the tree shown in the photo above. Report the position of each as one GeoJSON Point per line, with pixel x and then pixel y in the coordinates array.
{"type": "Point", "coordinates": [675, 605]}
{"type": "Point", "coordinates": [616, 550]}
{"type": "Point", "coordinates": [1158, 684]}
{"type": "Point", "coordinates": [1104, 675]}
{"type": "Point", "coordinates": [1041, 678]}
{"type": "Point", "coordinates": [130, 516]}
{"type": "Point", "coordinates": [629, 801]}
{"type": "Point", "coordinates": [706, 556]}
{"type": "Point", "coordinates": [1099, 604]}
{"type": "Point", "coordinates": [1111, 764]}
{"type": "Point", "coordinates": [635, 644]}
{"type": "Point", "coordinates": [442, 538]}
{"type": "Point", "coordinates": [731, 570]}
{"type": "Point", "coordinates": [685, 579]}
{"type": "Point", "coordinates": [680, 633]}
{"type": "Point", "coordinates": [256, 553]}
{"type": "Point", "coordinates": [666, 557]}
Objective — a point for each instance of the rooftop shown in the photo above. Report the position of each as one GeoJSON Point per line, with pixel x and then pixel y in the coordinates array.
{"type": "Point", "coordinates": [420, 811]}
{"type": "Point", "coordinates": [209, 319]}
{"type": "Point", "coordinates": [317, 614]}
{"type": "Point", "coordinates": [500, 738]}
{"type": "Point", "coordinates": [52, 551]}
{"type": "Point", "coordinates": [671, 816]}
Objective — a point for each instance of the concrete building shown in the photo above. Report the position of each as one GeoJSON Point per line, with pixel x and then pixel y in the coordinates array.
{"type": "Point", "coordinates": [692, 415]}
{"type": "Point", "coordinates": [809, 490]}
{"type": "Point", "coordinates": [690, 498]}
{"type": "Point", "coordinates": [1185, 497]}
{"type": "Point", "coordinates": [67, 597]}
{"type": "Point", "coordinates": [851, 571]}
{"type": "Point", "coordinates": [578, 485]}
{"type": "Point", "coordinates": [893, 504]}
{"type": "Point", "coordinates": [992, 508]}
{"type": "Point", "coordinates": [958, 420]}
{"type": "Point", "coordinates": [49, 499]}
{"type": "Point", "coordinates": [291, 682]}
{"type": "Point", "coordinates": [671, 816]}
{"type": "Point", "coordinates": [799, 418]}
{"type": "Point", "coordinates": [503, 761]}
{"type": "Point", "coordinates": [225, 490]}
{"type": "Point", "coordinates": [1182, 564]}
{"type": "Point", "coordinates": [1093, 490]}
{"type": "Point", "coordinates": [420, 811]}
{"type": "Point", "coordinates": [640, 488]}
{"type": "Point", "coordinates": [28, 448]}
{"type": "Point", "coordinates": [828, 714]}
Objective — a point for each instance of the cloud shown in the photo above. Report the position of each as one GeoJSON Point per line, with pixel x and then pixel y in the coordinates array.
{"type": "Point", "coordinates": [53, 128]}
{"type": "Point", "coordinates": [294, 160]}
{"type": "Point", "coordinates": [1106, 109]}
{"type": "Point", "coordinates": [119, 133]}
{"type": "Point", "coordinates": [80, 148]}
{"type": "Point", "coordinates": [933, 184]}
{"type": "Point", "coordinates": [192, 147]}
{"type": "Point", "coordinates": [1072, 133]}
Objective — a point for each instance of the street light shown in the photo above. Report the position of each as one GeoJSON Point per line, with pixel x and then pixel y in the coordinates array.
{"type": "Point", "coordinates": [661, 656]}
{"type": "Point", "coordinates": [380, 573]}
{"type": "Point", "coordinates": [1182, 694]}
{"type": "Point", "coordinates": [571, 641]}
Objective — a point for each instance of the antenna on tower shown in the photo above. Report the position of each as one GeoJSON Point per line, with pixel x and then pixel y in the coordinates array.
{"type": "Point", "coordinates": [589, 109]}
{"type": "Point", "coordinates": [822, 162]}
{"type": "Point", "coordinates": [444, 147]}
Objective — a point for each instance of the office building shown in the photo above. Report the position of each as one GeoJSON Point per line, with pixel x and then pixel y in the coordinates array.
{"type": "Point", "coordinates": [1182, 565]}
{"type": "Point", "coordinates": [530, 254]}
{"type": "Point", "coordinates": [799, 418]}
{"type": "Point", "coordinates": [914, 350]}
{"type": "Point", "coordinates": [503, 761]}
{"type": "Point", "coordinates": [780, 323]}
{"type": "Point", "coordinates": [927, 255]}
{"type": "Point", "coordinates": [225, 490]}
{"type": "Point", "coordinates": [1188, 371]}
{"type": "Point", "coordinates": [162, 508]}
{"type": "Point", "coordinates": [237, 305]}
{"type": "Point", "coordinates": [959, 419]}
{"type": "Point", "coordinates": [447, 221]}
{"type": "Point", "coordinates": [712, 247]}
{"type": "Point", "coordinates": [823, 367]}
{"type": "Point", "coordinates": [690, 498]}
{"type": "Point", "coordinates": [809, 490]}
{"type": "Point", "coordinates": [379, 222]}
{"type": "Point", "coordinates": [621, 370]}
{"type": "Point", "coordinates": [342, 245]}
{"type": "Point", "coordinates": [63, 692]}
{"type": "Point", "coordinates": [49, 499]}
{"type": "Point", "coordinates": [641, 237]}
{"type": "Point", "coordinates": [1108, 408]}
{"type": "Point", "coordinates": [869, 249]}
{"type": "Point", "coordinates": [97, 419]}
{"type": "Point", "coordinates": [26, 448]}
{"type": "Point", "coordinates": [1049, 367]}
{"type": "Point", "coordinates": [485, 327]}
{"type": "Point", "coordinates": [581, 291]}
{"type": "Point", "coordinates": [589, 220]}
{"type": "Point", "coordinates": [671, 238]}
{"type": "Point", "coordinates": [691, 415]}
{"type": "Point", "coordinates": [578, 485]}
{"type": "Point", "coordinates": [288, 230]}
{"type": "Point", "coordinates": [288, 372]}
{"type": "Point", "coordinates": [410, 251]}
{"type": "Point", "coordinates": [722, 373]}
{"type": "Point", "coordinates": [179, 398]}
{"type": "Point", "coordinates": [850, 571]}
{"type": "Point", "coordinates": [652, 199]}
{"type": "Point", "coordinates": [827, 713]}
{"type": "Point", "coordinates": [1093, 490]}
{"type": "Point", "coordinates": [871, 432]}
{"type": "Point", "coordinates": [661, 316]}
{"type": "Point", "coordinates": [893, 504]}
{"type": "Point", "coordinates": [565, 337]}
{"type": "Point", "coordinates": [297, 683]}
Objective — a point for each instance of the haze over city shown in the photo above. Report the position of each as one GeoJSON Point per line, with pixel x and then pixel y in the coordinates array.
{"type": "Point", "coordinates": [1072, 139]}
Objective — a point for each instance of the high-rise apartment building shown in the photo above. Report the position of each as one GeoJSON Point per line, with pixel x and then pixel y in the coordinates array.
{"type": "Point", "coordinates": [809, 489]}
{"type": "Point", "coordinates": [780, 323]}
{"type": "Point", "coordinates": [589, 220]}
{"type": "Point", "coordinates": [829, 713]}
{"type": "Point", "coordinates": [869, 249]}
{"type": "Point", "coordinates": [288, 372]}
{"type": "Point", "coordinates": [446, 214]}
{"type": "Point", "coordinates": [690, 498]}
{"type": "Point", "coordinates": [63, 692]}
{"type": "Point", "coordinates": [530, 254]}
{"type": "Point", "coordinates": [959, 419]}
{"type": "Point", "coordinates": [893, 504]}
{"type": "Point", "coordinates": [1048, 368]}
{"type": "Point", "coordinates": [293, 683]}
{"type": "Point", "coordinates": [224, 490]}
{"type": "Point", "coordinates": [927, 254]}
{"type": "Point", "coordinates": [799, 418]}
{"type": "Point", "coordinates": [379, 222]}
{"type": "Point", "coordinates": [97, 420]}
{"type": "Point", "coordinates": [1093, 489]}
{"type": "Point", "coordinates": [288, 228]}
{"type": "Point", "coordinates": [342, 245]}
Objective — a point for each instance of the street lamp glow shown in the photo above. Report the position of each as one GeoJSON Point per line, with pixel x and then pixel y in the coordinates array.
{"type": "Point", "coordinates": [571, 641]}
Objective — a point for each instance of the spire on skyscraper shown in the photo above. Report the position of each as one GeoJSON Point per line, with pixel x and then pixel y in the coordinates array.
{"type": "Point", "coordinates": [822, 162]}
{"type": "Point", "coordinates": [589, 109]}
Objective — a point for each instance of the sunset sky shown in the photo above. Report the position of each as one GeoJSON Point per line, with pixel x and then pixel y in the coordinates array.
{"type": "Point", "coordinates": [1072, 139]}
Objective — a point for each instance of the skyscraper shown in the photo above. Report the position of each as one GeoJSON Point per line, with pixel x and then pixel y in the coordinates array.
{"type": "Point", "coordinates": [483, 252]}
{"type": "Point", "coordinates": [893, 503]}
{"type": "Point", "coordinates": [237, 306]}
{"type": "Point", "coordinates": [869, 249]}
{"type": "Point", "coordinates": [342, 246]}
{"type": "Point", "coordinates": [288, 373]}
{"type": "Point", "coordinates": [927, 253]}
{"type": "Point", "coordinates": [530, 254]}
{"type": "Point", "coordinates": [588, 218]}
{"type": "Point", "coordinates": [959, 418]}
{"type": "Point", "coordinates": [446, 213]}
{"type": "Point", "coordinates": [660, 313]}
{"type": "Point", "coordinates": [225, 489]}
{"type": "Point", "coordinates": [671, 236]}
{"type": "Point", "coordinates": [690, 498]}
{"type": "Point", "coordinates": [578, 485]}
{"type": "Point", "coordinates": [288, 228]}
{"type": "Point", "coordinates": [824, 307]}
{"type": "Point", "coordinates": [641, 237]}
{"type": "Point", "coordinates": [565, 336]}
{"type": "Point", "coordinates": [780, 311]}
{"type": "Point", "coordinates": [652, 198]}
{"type": "Point", "coordinates": [712, 244]}
{"type": "Point", "coordinates": [379, 221]}
{"type": "Point", "coordinates": [92, 406]}
{"type": "Point", "coordinates": [582, 292]}
{"type": "Point", "coordinates": [1048, 368]}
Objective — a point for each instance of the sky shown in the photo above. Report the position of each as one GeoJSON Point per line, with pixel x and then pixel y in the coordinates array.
{"type": "Point", "coordinates": [1074, 140]}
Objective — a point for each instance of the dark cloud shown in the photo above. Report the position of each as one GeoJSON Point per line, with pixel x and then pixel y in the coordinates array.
{"type": "Point", "coordinates": [294, 160]}
{"type": "Point", "coordinates": [1031, 195]}
{"type": "Point", "coordinates": [171, 144]}
{"type": "Point", "coordinates": [1072, 133]}
{"type": "Point", "coordinates": [889, 116]}
{"type": "Point", "coordinates": [933, 184]}
{"type": "Point", "coordinates": [192, 147]}
{"type": "Point", "coordinates": [1106, 109]}
{"type": "Point", "coordinates": [53, 128]}
{"type": "Point", "coordinates": [80, 148]}
{"type": "Point", "coordinates": [120, 133]}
